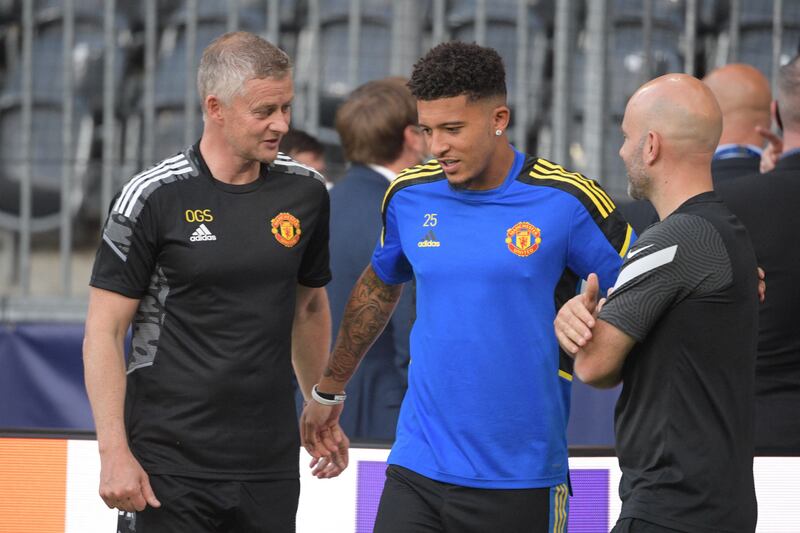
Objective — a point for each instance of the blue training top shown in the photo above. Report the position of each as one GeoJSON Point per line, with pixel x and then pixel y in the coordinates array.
{"type": "Point", "coordinates": [488, 389]}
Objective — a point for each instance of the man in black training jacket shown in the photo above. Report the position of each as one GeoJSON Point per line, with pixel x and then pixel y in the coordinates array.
{"type": "Point", "coordinates": [679, 328]}
{"type": "Point", "coordinates": [217, 257]}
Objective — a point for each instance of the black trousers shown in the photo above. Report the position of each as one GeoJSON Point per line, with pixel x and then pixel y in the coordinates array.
{"type": "Point", "coordinates": [412, 503]}
{"type": "Point", "coordinates": [635, 525]}
{"type": "Point", "coordinates": [212, 506]}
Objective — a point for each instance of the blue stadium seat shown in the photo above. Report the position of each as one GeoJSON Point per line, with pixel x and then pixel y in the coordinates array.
{"type": "Point", "coordinates": [47, 156]}
{"type": "Point", "coordinates": [47, 86]}
{"type": "Point", "coordinates": [666, 13]}
{"type": "Point", "coordinates": [759, 13]}
{"type": "Point", "coordinates": [501, 33]}
{"type": "Point", "coordinates": [87, 61]}
{"type": "Point", "coordinates": [374, 49]}
{"type": "Point", "coordinates": [755, 48]}
{"type": "Point", "coordinates": [626, 63]}
{"type": "Point", "coordinates": [755, 34]}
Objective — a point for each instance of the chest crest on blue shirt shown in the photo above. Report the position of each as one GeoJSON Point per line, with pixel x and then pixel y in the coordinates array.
{"type": "Point", "coordinates": [523, 238]}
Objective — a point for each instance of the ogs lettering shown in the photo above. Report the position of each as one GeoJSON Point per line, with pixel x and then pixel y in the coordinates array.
{"type": "Point", "coordinates": [199, 215]}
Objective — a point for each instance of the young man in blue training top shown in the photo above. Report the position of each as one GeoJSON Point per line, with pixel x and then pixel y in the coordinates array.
{"type": "Point", "coordinates": [497, 240]}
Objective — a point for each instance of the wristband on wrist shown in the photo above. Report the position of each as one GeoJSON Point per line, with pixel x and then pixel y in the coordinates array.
{"type": "Point", "coordinates": [326, 398]}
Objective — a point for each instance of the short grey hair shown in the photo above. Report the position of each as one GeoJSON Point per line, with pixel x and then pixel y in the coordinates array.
{"type": "Point", "coordinates": [789, 92]}
{"type": "Point", "coordinates": [235, 58]}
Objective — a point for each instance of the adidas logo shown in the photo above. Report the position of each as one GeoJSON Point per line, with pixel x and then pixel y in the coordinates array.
{"type": "Point", "coordinates": [202, 234]}
{"type": "Point", "coordinates": [429, 241]}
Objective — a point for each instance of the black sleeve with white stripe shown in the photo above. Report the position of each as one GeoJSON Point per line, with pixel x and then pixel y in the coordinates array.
{"type": "Point", "coordinates": [126, 257]}
{"type": "Point", "coordinates": [682, 257]}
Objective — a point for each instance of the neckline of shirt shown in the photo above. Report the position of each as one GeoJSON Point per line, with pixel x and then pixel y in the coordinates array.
{"type": "Point", "coordinates": [230, 187]}
{"type": "Point", "coordinates": [707, 196]}
{"type": "Point", "coordinates": [480, 195]}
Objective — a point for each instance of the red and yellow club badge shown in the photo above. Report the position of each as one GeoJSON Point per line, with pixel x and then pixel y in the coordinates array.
{"type": "Point", "coordinates": [286, 229]}
{"type": "Point", "coordinates": [523, 239]}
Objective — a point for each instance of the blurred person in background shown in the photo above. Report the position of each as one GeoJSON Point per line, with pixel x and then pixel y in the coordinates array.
{"type": "Point", "coordinates": [744, 97]}
{"type": "Point", "coordinates": [767, 206]}
{"type": "Point", "coordinates": [305, 149]}
{"type": "Point", "coordinates": [377, 125]}
{"type": "Point", "coordinates": [217, 258]}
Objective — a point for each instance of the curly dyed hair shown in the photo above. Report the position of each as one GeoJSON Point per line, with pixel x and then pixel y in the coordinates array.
{"type": "Point", "coordinates": [455, 68]}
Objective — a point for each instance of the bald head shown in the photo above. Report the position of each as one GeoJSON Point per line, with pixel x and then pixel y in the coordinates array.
{"type": "Point", "coordinates": [739, 87]}
{"type": "Point", "coordinates": [681, 110]}
{"type": "Point", "coordinates": [744, 97]}
{"type": "Point", "coordinates": [671, 128]}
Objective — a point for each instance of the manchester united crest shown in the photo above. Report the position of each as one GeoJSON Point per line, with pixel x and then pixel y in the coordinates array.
{"type": "Point", "coordinates": [286, 229]}
{"type": "Point", "coordinates": [523, 239]}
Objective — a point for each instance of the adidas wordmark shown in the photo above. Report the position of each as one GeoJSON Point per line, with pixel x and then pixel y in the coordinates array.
{"type": "Point", "coordinates": [202, 234]}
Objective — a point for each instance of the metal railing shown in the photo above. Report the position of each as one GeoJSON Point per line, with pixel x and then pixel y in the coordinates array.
{"type": "Point", "coordinates": [562, 63]}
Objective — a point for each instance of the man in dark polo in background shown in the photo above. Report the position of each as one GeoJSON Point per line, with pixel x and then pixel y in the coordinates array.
{"type": "Point", "coordinates": [744, 97]}
{"type": "Point", "coordinates": [378, 128]}
{"type": "Point", "coordinates": [767, 206]}
{"type": "Point", "coordinates": [679, 329]}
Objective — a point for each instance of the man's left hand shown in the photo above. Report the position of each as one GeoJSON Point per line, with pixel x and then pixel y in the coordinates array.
{"type": "Point", "coordinates": [319, 429]}
{"type": "Point", "coordinates": [333, 465]}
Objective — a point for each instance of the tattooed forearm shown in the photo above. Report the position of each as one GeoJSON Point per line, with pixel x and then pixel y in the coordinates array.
{"type": "Point", "coordinates": [367, 311]}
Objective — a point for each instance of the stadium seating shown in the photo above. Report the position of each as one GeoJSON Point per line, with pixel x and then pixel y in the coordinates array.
{"type": "Point", "coordinates": [47, 151]}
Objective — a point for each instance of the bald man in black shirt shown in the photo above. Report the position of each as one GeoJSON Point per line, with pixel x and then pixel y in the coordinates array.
{"type": "Point", "coordinates": [678, 330]}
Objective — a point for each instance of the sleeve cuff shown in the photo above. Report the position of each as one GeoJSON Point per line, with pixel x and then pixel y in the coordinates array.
{"type": "Point", "coordinates": [315, 282]}
{"type": "Point", "coordinates": [387, 279]}
{"type": "Point", "coordinates": [625, 327]}
{"type": "Point", "coordinates": [115, 287]}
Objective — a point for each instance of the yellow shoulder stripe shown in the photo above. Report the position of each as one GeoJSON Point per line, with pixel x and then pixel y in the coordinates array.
{"type": "Point", "coordinates": [627, 243]}
{"type": "Point", "coordinates": [599, 191]}
{"type": "Point", "coordinates": [404, 179]}
{"type": "Point", "coordinates": [565, 375]}
{"type": "Point", "coordinates": [572, 181]}
{"type": "Point", "coordinates": [430, 165]}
